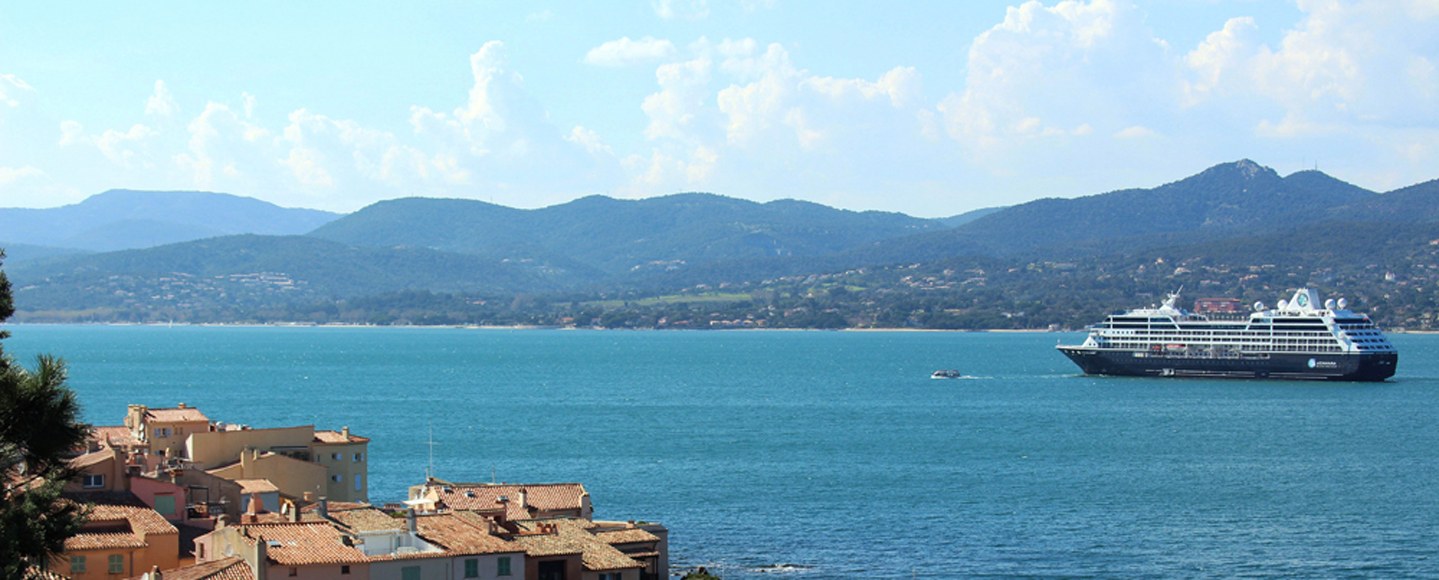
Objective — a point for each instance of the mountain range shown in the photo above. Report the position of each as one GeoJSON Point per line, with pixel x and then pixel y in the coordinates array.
{"type": "Point", "coordinates": [122, 219]}
{"type": "Point", "coordinates": [284, 261]}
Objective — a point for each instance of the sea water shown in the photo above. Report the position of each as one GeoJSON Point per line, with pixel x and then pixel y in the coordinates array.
{"type": "Point", "coordinates": [833, 454]}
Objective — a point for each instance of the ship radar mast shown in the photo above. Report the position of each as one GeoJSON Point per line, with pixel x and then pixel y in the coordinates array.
{"type": "Point", "coordinates": [1171, 301]}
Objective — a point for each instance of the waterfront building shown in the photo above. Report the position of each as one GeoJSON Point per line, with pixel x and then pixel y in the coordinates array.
{"type": "Point", "coordinates": [296, 459]}
{"type": "Point", "coordinates": [121, 538]}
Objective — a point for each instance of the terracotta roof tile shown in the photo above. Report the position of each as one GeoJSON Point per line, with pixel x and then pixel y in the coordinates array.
{"type": "Point", "coordinates": [572, 535]}
{"type": "Point", "coordinates": [338, 437]}
{"type": "Point", "coordinates": [358, 519]}
{"type": "Point", "coordinates": [625, 536]}
{"type": "Point", "coordinates": [92, 458]}
{"type": "Point", "coordinates": [116, 520]}
{"type": "Point", "coordinates": [116, 436]}
{"type": "Point", "coordinates": [176, 415]}
{"type": "Point", "coordinates": [304, 543]}
{"type": "Point", "coordinates": [542, 497]}
{"type": "Point", "coordinates": [232, 568]}
{"type": "Point", "coordinates": [460, 535]}
{"type": "Point", "coordinates": [336, 506]}
{"type": "Point", "coordinates": [103, 541]}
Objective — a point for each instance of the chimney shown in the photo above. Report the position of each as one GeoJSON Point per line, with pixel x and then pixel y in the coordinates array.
{"type": "Point", "coordinates": [308, 496]}
{"type": "Point", "coordinates": [256, 507]}
{"type": "Point", "coordinates": [345, 431]}
{"type": "Point", "coordinates": [324, 507]}
{"type": "Point", "coordinates": [524, 505]}
{"type": "Point", "coordinates": [182, 405]}
{"type": "Point", "coordinates": [411, 522]}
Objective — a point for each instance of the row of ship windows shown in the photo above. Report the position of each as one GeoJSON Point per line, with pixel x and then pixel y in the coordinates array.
{"type": "Point", "coordinates": [1271, 348]}
{"type": "Point", "coordinates": [1246, 342]}
{"type": "Point", "coordinates": [1224, 334]}
{"type": "Point", "coordinates": [1251, 328]}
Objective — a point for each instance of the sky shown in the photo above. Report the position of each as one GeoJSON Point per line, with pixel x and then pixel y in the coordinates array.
{"type": "Point", "coordinates": [931, 108]}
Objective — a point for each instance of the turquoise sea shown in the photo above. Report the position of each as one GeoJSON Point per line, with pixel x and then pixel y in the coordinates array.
{"type": "Point", "coordinates": [833, 454]}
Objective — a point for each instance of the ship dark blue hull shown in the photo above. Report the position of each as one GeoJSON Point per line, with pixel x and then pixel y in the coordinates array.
{"type": "Point", "coordinates": [1326, 366]}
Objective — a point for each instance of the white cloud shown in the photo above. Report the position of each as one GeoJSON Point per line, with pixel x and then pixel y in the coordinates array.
{"type": "Point", "coordinates": [10, 87]}
{"type": "Point", "coordinates": [1045, 73]}
{"type": "Point", "coordinates": [162, 103]}
{"type": "Point", "coordinates": [681, 9]}
{"type": "Point", "coordinates": [625, 51]}
{"type": "Point", "coordinates": [588, 139]}
{"type": "Point", "coordinates": [1134, 132]}
{"type": "Point", "coordinates": [11, 175]}
{"type": "Point", "coordinates": [1342, 64]}
{"type": "Point", "coordinates": [739, 116]}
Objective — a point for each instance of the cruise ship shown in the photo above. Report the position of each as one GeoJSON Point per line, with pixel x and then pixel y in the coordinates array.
{"type": "Point", "coordinates": [1298, 339]}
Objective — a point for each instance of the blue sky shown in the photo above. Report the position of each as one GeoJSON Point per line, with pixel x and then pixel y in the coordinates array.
{"type": "Point", "coordinates": [928, 108]}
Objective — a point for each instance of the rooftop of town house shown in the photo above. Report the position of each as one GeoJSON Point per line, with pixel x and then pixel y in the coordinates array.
{"type": "Point", "coordinates": [537, 497]}
{"type": "Point", "coordinates": [632, 535]}
{"type": "Point", "coordinates": [92, 458]}
{"type": "Point", "coordinates": [302, 543]}
{"type": "Point", "coordinates": [232, 568]}
{"type": "Point", "coordinates": [554, 536]}
{"type": "Point", "coordinates": [179, 414]}
{"type": "Point", "coordinates": [463, 535]}
{"type": "Point", "coordinates": [353, 517]}
{"type": "Point", "coordinates": [249, 486]}
{"type": "Point", "coordinates": [333, 506]}
{"type": "Point", "coordinates": [115, 436]}
{"type": "Point", "coordinates": [116, 520]}
{"type": "Point", "coordinates": [339, 437]}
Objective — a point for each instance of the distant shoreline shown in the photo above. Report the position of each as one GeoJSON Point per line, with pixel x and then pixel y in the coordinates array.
{"type": "Point", "coordinates": [529, 327]}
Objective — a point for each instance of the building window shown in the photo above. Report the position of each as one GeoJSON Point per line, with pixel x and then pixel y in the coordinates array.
{"type": "Point", "coordinates": [93, 480]}
{"type": "Point", "coordinates": [334, 456]}
{"type": "Point", "coordinates": [410, 573]}
{"type": "Point", "coordinates": [359, 483]}
{"type": "Point", "coordinates": [472, 568]}
{"type": "Point", "coordinates": [162, 431]}
{"type": "Point", "coordinates": [345, 569]}
{"type": "Point", "coordinates": [77, 564]}
{"type": "Point", "coordinates": [335, 478]}
{"type": "Point", "coordinates": [294, 571]}
{"type": "Point", "coordinates": [357, 457]}
{"type": "Point", "coordinates": [117, 564]}
{"type": "Point", "coordinates": [165, 504]}
{"type": "Point", "coordinates": [503, 566]}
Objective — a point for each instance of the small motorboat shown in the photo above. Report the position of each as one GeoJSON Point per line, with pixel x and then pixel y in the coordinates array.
{"type": "Point", "coordinates": [946, 374]}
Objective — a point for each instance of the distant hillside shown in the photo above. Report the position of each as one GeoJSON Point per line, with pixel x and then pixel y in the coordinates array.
{"type": "Point", "coordinates": [123, 219]}
{"type": "Point", "coordinates": [623, 236]}
{"type": "Point", "coordinates": [705, 261]}
{"type": "Point", "coordinates": [239, 274]}
{"type": "Point", "coordinates": [1224, 200]}
{"type": "Point", "coordinates": [16, 254]}
{"type": "Point", "coordinates": [969, 216]}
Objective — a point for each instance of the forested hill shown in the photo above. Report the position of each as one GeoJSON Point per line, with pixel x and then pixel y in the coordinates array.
{"type": "Point", "coordinates": [623, 236]}
{"type": "Point", "coordinates": [700, 260]}
{"type": "Point", "coordinates": [123, 219]}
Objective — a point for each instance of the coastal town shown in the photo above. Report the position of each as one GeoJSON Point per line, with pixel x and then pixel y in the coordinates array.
{"type": "Point", "coordinates": [175, 495]}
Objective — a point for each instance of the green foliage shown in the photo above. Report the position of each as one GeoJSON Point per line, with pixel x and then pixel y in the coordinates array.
{"type": "Point", "coordinates": [39, 429]}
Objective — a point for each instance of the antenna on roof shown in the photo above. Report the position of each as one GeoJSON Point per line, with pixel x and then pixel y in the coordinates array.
{"type": "Point", "coordinates": [430, 470]}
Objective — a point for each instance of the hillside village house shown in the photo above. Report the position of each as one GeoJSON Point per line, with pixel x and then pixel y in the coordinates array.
{"type": "Point", "coordinates": [296, 459]}
{"type": "Point", "coordinates": [179, 497]}
{"type": "Point", "coordinates": [483, 535]}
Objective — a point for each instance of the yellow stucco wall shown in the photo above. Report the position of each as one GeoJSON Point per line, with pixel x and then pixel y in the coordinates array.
{"type": "Point", "coordinates": [213, 448]}
{"type": "Point", "coordinates": [292, 476]}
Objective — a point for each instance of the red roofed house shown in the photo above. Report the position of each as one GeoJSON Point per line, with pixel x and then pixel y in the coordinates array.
{"type": "Point", "coordinates": [123, 538]}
